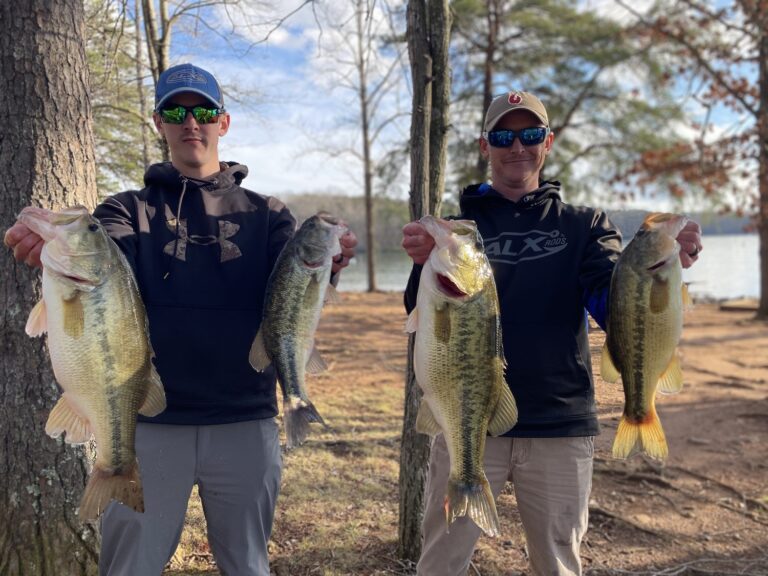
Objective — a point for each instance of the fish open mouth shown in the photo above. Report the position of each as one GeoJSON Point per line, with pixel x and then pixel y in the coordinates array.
{"type": "Point", "coordinates": [447, 286]}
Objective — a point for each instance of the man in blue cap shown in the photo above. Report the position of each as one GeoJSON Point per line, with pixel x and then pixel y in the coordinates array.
{"type": "Point", "coordinates": [202, 248]}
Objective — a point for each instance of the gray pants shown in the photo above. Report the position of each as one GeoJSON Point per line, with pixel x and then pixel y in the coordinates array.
{"type": "Point", "coordinates": [552, 479]}
{"type": "Point", "coordinates": [237, 468]}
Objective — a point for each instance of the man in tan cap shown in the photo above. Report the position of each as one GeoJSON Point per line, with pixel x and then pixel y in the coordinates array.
{"type": "Point", "coordinates": [552, 263]}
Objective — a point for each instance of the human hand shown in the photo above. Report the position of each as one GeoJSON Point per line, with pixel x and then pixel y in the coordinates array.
{"type": "Point", "coordinates": [348, 242]}
{"type": "Point", "coordinates": [417, 242]}
{"type": "Point", "coordinates": [26, 245]}
{"type": "Point", "coordinates": [689, 239]}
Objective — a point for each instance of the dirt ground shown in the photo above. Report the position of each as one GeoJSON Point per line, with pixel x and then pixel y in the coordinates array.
{"type": "Point", "coordinates": [704, 511]}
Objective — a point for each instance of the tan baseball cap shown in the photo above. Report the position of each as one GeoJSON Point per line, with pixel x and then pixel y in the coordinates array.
{"type": "Point", "coordinates": [514, 100]}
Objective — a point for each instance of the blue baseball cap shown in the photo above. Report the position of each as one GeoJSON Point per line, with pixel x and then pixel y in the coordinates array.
{"type": "Point", "coordinates": [187, 78]}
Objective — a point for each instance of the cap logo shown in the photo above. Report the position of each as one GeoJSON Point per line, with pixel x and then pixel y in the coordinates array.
{"type": "Point", "coordinates": [514, 98]}
{"type": "Point", "coordinates": [186, 77]}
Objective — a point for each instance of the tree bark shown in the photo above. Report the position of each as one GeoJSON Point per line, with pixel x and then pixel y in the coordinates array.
{"type": "Point", "coordinates": [762, 135]}
{"type": "Point", "coordinates": [428, 38]}
{"type": "Point", "coordinates": [493, 17]}
{"type": "Point", "coordinates": [365, 117]}
{"type": "Point", "coordinates": [46, 145]}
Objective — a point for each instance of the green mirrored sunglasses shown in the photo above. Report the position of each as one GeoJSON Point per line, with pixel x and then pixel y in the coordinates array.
{"type": "Point", "coordinates": [176, 114]}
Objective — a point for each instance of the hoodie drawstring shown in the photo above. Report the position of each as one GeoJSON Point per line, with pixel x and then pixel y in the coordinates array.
{"type": "Point", "coordinates": [176, 232]}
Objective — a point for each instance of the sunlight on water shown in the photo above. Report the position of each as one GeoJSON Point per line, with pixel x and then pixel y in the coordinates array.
{"type": "Point", "coordinates": [728, 267]}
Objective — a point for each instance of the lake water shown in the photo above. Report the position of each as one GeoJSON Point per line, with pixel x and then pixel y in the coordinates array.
{"type": "Point", "coordinates": [728, 267]}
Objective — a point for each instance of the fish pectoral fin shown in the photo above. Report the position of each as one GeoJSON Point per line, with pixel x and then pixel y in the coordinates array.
{"type": "Point", "coordinates": [660, 294]}
{"type": "Point", "coordinates": [608, 371]}
{"type": "Point", "coordinates": [671, 381]}
{"type": "Point", "coordinates": [443, 324]}
{"type": "Point", "coordinates": [315, 362]}
{"type": "Point", "coordinates": [74, 316]}
{"type": "Point", "coordinates": [258, 356]}
{"type": "Point", "coordinates": [154, 402]}
{"type": "Point", "coordinates": [412, 324]}
{"type": "Point", "coordinates": [687, 299]}
{"type": "Point", "coordinates": [504, 417]}
{"type": "Point", "coordinates": [332, 295]}
{"type": "Point", "coordinates": [37, 323]}
{"type": "Point", "coordinates": [425, 420]}
{"type": "Point", "coordinates": [66, 418]}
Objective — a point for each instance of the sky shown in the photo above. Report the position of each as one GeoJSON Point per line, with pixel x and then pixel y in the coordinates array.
{"type": "Point", "coordinates": [294, 118]}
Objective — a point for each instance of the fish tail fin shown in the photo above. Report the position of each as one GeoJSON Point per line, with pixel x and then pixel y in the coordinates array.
{"type": "Point", "coordinates": [474, 500]}
{"type": "Point", "coordinates": [104, 486]}
{"type": "Point", "coordinates": [299, 414]}
{"type": "Point", "coordinates": [645, 436]}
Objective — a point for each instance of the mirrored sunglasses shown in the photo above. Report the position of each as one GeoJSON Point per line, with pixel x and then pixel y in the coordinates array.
{"type": "Point", "coordinates": [528, 136]}
{"type": "Point", "coordinates": [176, 114]}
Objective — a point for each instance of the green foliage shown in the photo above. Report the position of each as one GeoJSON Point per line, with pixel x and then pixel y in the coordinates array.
{"type": "Point", "coordinates": [118, 119]}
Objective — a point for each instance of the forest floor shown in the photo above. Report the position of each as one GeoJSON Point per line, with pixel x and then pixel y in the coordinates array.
{"type": "Point", "coordinates": [702, 512]}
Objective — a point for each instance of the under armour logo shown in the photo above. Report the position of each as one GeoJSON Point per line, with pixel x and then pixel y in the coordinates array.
{"type": "Point", "coordinates": [177, 247]}
{"type": "Point", "coordinates": [187, 77]}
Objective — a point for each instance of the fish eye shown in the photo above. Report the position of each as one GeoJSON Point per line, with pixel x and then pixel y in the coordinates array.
{"type": "Point", "coordinates": [93, 227]}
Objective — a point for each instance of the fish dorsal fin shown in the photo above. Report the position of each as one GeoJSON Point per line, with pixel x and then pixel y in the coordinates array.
{"type": "Point", "coordinates": [67, 418]}
{"type": "Point", "coordinates": [659, 298]}
{"type": "Point", "coordinates": [258, 356]}
{"type": "Point", "coordinates": [504, 416]}
{"type": "Point", "coordinates": [74, 315]}
{"type": "Point", "coordinates": [332, 295]}
{"type": "Point", "coordinates": [671, 381]}
{"type": "Point", "coordinates": [425, 420]}
{"type": "Point", "coordinates": [37, 323]}
{"type": "Point", "coordinates": [154, 402]}
{"type": "Point", "coordinates": [412, 324]}
{"type": "Point", "coordinates": [315, 362]}
{"type": "Point", "coordinates": [608, 371]}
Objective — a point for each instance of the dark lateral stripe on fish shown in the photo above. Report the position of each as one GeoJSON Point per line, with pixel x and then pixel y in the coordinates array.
{"type": "Point", "coordinates": [636, 407]}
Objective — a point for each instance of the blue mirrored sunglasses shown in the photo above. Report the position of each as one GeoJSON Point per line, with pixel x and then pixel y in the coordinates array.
{"type": "Point", "coordinates": [528, 136]}
{"type": "Point", "coordinates": [176, 114]}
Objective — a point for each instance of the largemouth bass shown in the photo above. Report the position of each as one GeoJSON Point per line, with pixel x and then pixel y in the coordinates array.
{"type": "Point", "coordinates": [645, 322]}
{"type": "Point", "coordinates": [459, 364]}
{"type": "Point", "coordinates": [296, 291]}
{"type": "Point", "coordinates": [98, 341]}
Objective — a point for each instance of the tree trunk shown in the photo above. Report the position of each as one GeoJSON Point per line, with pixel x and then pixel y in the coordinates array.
{"type": "Point", "coordinates": [428, 38]}
{"type": "Point", "coordinates": [362, 72]}
{"type": "Point", "coordinates": [493, 18]}
{"type": "Point", "coordinates": [46, 146]}
{"type": "Point", "coordinates": [762, 135]}
{"type": "Point", "coordinates": [440, 35]}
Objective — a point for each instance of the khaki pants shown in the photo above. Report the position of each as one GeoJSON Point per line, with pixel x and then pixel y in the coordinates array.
{"type": "Point", "coordinates": [552, 478]}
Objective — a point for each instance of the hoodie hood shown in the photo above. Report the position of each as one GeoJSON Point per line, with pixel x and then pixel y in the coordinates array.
{"type": "Point", "coordinates": [167, 176]}
{"type": "Point", "coordinates": [548, 190]}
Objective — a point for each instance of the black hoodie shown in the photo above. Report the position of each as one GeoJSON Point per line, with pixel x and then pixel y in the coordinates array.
{"type": "Point", "coordinates": [549, 259]}
{"type": "Point", "coordinates": [202, 251]}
